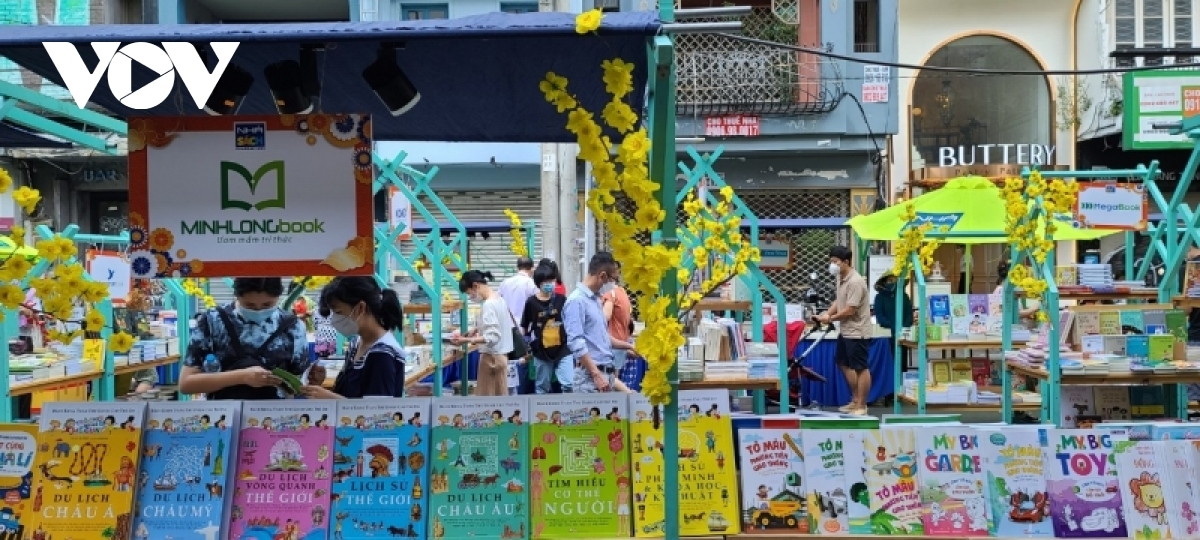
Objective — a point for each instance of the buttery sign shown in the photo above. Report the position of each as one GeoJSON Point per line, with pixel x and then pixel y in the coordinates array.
{"type": "Point", "coordinates": [250, 196]}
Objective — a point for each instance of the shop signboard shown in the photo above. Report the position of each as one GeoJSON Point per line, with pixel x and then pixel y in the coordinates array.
{"type": "Point", "coordinates": [111, 268]}
{"type": "Point", "coordinates": [401, 214]}
{"type": "Point", "coordinates": [1158, 97]}
{"type": "Point", "coordinates": [1112, 206]}
{"type": "Point", "coordinates": [775, 255]}
{"type": "Point", "coordinates": [251, 196]}
{"type": "Point", "coordinates": [735, 125]}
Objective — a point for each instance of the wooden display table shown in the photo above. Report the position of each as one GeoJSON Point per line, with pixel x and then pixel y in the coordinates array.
{"type": "Point", "coordinates": [25, 388]}
{"type": "Point", "coordinates": [134, 368]}
{"type": "Point", "coordinates": [1138, 295]}
{"type": "Point", "coordinates": [716, 304]}
{"type": "Point", "coordinates": [426, 309]}
{"type": "Point", "coordinates": [961, 344]}
{"type": "Point", "coordinates": [730, 384]}
{"type": "Point", "coordinates": [1115, 379]}
{"type": "Point", "coordinates": [910, 400]}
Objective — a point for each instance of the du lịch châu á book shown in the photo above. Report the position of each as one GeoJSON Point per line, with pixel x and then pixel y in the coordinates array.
{"type": "Point", "coordinates": [772, 474]}
{"type": "Point", "coordinates": [380, 469]}
{"type": "Point", "coordinates": [478, 481]}
{"type": "Point", "coordinates": [187, 453]}
{"type": "Point", "coordinates": [19, 447]}
{"type": "Point", "coordinates": [580, 476]}
{"type": "Point", "coordinates": [708, 494]}
{"type": "Point", "coordinates": [1081, 477]}
{"type": "Point", "coordinates": [86, 473]}
{"type": "Point", "coordinates": [282, 482]}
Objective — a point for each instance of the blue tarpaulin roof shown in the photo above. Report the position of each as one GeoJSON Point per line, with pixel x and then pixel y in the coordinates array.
{"type": "Point", "coordinates": [478, 76]}
{"type": "Point", "coordinates": [14, 137]}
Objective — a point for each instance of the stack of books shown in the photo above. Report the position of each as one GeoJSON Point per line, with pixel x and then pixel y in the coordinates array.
{"type": "Point", "coordinates": [1098, 277]}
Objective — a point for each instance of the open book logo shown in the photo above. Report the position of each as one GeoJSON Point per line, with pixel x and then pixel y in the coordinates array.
{"type": "Point", "coordinates": [233, 174]}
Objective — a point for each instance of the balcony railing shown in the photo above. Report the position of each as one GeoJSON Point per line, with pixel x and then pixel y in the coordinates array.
{"type": "Point", "coordinates": [720, 75]}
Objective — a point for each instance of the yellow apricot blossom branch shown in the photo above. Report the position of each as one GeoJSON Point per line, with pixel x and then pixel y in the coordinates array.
{"type": "Point", "coordinates": [1031, 226]}
{"type": "Point", "coordinates": [517, 246]}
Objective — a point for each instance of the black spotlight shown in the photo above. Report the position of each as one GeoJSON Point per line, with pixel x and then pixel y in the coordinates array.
{"type": "Point", "coordinates": [389, 82]}
{"type": "Point", "coordinates": [230, 90]}
{"type": "Point", "coordinates": [286, 84]}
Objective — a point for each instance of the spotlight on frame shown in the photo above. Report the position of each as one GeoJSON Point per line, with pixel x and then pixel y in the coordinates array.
{"type": "Point", "coordinates": [389, 82]}
{"type": "Point", "coordinates": [231, 89]}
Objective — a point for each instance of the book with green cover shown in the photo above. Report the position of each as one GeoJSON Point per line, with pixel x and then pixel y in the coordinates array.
{"type": "Point", "coordinates": [1132, 318]}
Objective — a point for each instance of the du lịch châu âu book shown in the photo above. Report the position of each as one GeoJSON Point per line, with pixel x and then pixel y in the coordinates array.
{"type": "Point", "coordinates": [579, 479]}
{"type": "Point", "coordinates": [381, 469]}
{"type": "Point", "coordinates": [18, 448]}
{"type": "Point", "coordinates": [86, 473]}
{"type": "Point", "coordinates": [708, 493]}
{"type": "Point", "coordinates": [479, 479]}
{"type": "Point", "coordinates": [282, 482]}
{"type": "Point", "coordinates": [187, 450]}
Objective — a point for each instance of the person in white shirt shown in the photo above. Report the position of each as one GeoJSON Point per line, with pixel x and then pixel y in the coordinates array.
{"type": "Point", "coordinates": [518, 288]}
{"type": "Point", "coordinates": [493, 334]}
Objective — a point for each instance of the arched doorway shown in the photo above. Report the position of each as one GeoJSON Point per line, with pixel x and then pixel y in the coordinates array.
{"type": "Point", "coordinates": [972, 120]}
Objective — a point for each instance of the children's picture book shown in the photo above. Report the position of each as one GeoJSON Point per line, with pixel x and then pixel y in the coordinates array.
{"type": "Point", "coordinates": [282, 483]}
{"type": "Point", "coordinates": [86, 472]}
{"type": "Point", "coordinates": [1085, 498]}
{"type": "Point", "coordinates": [1182, 460]}
{"type": "Point", "coordinates": [1142, 469]}
{"type": "Point", "coordinates": [479, 479]}
{"type": "Point", "coordinates": [1076, 401]}
{"type": "Point", "coordinates": [380, 469]}
{"type": "Point", "coordinates": [895, 503]}
{"type": "Point", "coordinates": [1016, 481]}
{"type": "Point", "coordinates": [772, 473]}
{"type": "Point", "coordinates": [960, 315]}
{"type": "Point", "coordinates": [16, 479]}
{"type": "Point", "coordinates": [187, 450]}
{"type": "Point", "coordinates": [826, 459]}
{"type": "Point", "coordinates": [580, 477]}
{"type": "Point", "coordinates": [859, 505]}
{"type": "Point", "coordinates": [950, 469]}
{"type": "Point", "coordinates": [708, 494]}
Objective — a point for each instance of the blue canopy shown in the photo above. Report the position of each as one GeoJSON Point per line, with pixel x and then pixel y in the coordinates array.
{"type": "Point", "coordinates": [14, 137]}
{"type": "Point", "coordinates": [478, 76]}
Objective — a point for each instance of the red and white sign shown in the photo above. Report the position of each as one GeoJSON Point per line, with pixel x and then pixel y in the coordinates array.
{"type": "Point", "coordinates": [731, 126]}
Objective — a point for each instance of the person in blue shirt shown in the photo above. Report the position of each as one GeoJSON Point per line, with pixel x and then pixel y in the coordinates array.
{"type": "Point", "coordinates": [245, 340]}
{"type": "Point", "coordinates": [369, 316]}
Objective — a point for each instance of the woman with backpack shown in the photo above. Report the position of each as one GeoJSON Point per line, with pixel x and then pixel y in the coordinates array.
{"type": "Point", "coordinates": [542, 325]}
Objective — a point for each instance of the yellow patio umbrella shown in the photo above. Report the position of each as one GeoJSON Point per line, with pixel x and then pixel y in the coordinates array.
{"type": "Point", "coordinates": [965, 205]}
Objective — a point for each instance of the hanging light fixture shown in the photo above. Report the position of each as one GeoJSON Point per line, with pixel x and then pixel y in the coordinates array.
{"type": "Point", "coordinates": [945, 100]}
{"type": "Point", "coordinates": [389, 82]}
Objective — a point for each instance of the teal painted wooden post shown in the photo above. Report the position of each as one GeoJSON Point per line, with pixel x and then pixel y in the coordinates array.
{"type": "Point", "coordinates": [12, 94]}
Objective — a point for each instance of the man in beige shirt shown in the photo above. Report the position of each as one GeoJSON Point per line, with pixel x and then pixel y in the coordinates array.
{"type": "Point", "coordinates": [852, 309]}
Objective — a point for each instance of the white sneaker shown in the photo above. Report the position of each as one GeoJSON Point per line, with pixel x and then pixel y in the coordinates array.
{"type": "Point", "coordinates": [846, 408]}
{"type": "Point", "coordinates": [859, 412]}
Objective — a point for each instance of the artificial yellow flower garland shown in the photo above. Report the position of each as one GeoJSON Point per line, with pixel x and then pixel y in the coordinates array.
{"type": "Point", "coordinates": [517, 246]}
{"type": "Point", "coordinates": [62, 286]}
{"type": "Point", "coordinates": [1023, 215]}
{"type": "Point", "coordinates": [723, 250]}
{"type": "Point", "coordinates": [913, 240]}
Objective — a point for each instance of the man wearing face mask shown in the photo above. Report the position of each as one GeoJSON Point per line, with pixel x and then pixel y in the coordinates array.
{"type": "Point", "coordinates": [233, 348]}
{"type": "Point", "coordinates": [587, 329]}
{"type": "Point", "coordinates": [852, 310]}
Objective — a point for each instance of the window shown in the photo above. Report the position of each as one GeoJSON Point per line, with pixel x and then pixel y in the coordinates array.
{"type": "Point", "coordinates": [518, 7]}
{"type": "Point", "coordinates": [866, 26]}
{"type": "Point", "coordinates": [420, 12]}
{"type": "Point", "coordinates": [1139, 24]}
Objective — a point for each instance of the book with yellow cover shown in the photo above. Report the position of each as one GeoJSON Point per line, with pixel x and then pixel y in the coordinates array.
{"type": "Point", "coordinates": [86, 473]}
{"type": "Point", "coordinates": [708, 495]}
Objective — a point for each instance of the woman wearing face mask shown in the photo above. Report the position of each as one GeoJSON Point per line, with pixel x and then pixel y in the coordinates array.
{"type": "Point", "coordinates": [233, 348]}
{"type": "Point", "coordinates": [493, 333]}
{"type": "Point", "coordinates": [542, 323]}
{"type": "Point", "coordinates": [367, 315]}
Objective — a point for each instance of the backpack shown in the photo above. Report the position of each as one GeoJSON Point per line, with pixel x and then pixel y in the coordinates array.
{"type": "Point", "coordinates": [552, 330]}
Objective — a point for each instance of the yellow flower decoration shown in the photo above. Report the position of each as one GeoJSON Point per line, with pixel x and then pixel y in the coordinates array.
{"type": "Point", "coordinates": [94, 320]}
{"type": "Point", "coordinates": [6, 181]}
{"type": "Point", "coordinates": [1030, 224]}
{"type": "Point", "coordinates": [162, 239]}
{"type": "Point", "coordinates": [27, 198]}
{"type": "Point", "coordinates": [517, 246]}
{"type": "Point", "coordinates": [588, 21]}
{"type": "Point", "coordinates": [120, 342]}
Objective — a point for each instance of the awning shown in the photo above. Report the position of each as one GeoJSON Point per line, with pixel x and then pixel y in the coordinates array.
{"type": "Point", "coordinates": [14, 137]}
{"type": "Point", "coordinates": [478, 76]}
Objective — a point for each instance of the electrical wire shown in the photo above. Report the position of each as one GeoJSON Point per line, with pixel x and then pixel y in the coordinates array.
{"type": "Point", "coordinates": [949, 69]}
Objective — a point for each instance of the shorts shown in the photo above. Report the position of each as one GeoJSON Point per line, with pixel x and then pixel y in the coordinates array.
{"type": "Point", "coordinates": [853, 353]}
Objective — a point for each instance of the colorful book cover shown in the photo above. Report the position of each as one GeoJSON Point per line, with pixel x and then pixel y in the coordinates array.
{"type": "Point", "coordinates": [1184, 492]}
{"type": "Point", "coordinates": [478, 479]}
{"type": "Point", "coordinates": [284, 457]}
{"type": "Point", "coordinates": [950, 469]}
{"type": "Point", "coordinates": [1076, 401]}
{"type": "Point", "coordinates": [1112, 402]}
{"type": "Point", "coordinates": [1115, 345]}
{"type": "Point", "coordinates": [380, 469]}
{"type": "Point", "coordinates": [1110, 323]}
{"type": "Point", "coordinates": [960, 314]}
{"type": "Point", "coordinates": [895, 503]}
{"type": "Point", "coordinates": [995, 314]}
{"type": "Point", "coordinates": [1016, 481]}
{"type": "Point", "coordinates": [977, 306]}
{"type": "Point", "coordinates": [87, 468]}
{"type": "Point", "coordinates": [939, 309]}
{"type": "Point", "coordinates": [1162, 348]}
{"type": "Point", "coordinates": [186, 451]}
{"type": "Point", "coordinates": [1085, 499]}
{"type": "Point", "coordinates": [831, 448]}
{"type": "Point", "coordinates": [772, 474]}
{"type": "Point", "coordinates": [859, 505]}
{"type": "Point", "coordinates": [1138, 347]}
{"type": "Point", "coordinates": [1087, 323]}
{"type": "Point", "coordinates": [1147, 402]}
{"type": "Point", "coordinates": [1132, 322]}
{"type": "Point", "coordinates": [19, 442]}
{"type": "Point", "coordinates": [1141, 468]}
{"type": "Point", "coordinates": [580, 478]}
{"type": "Point", "coordinates": [1156, 321]}
{"type": "Point", "coordinates": [708, 502]}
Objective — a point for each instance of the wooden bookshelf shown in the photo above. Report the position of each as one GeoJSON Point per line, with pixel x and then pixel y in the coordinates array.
{"type": "Point", "coordinates": [1137, 295]}
{"type": "Point", "coordinates": [730, 384]}
{"type": "Point", "coordinates": [959, 344]}
{"type": "Point", "coordinates": [716, 304]}
{"type": "Point", "coordinates": [24, 388]}
{"type": "Point", "coordinates": [134, 368]}
{"type": "Point", "coordinates": [426, 309]}
{"type": "Point", "coordinates": [908, 400]}
{"type": "Point", "coordinates": [1112, 379]}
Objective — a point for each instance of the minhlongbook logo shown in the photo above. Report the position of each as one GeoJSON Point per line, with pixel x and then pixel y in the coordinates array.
{"type": "Point", "coordinates": [233, 172]}
{"type": "Point", "coordinates": [117, 61]}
